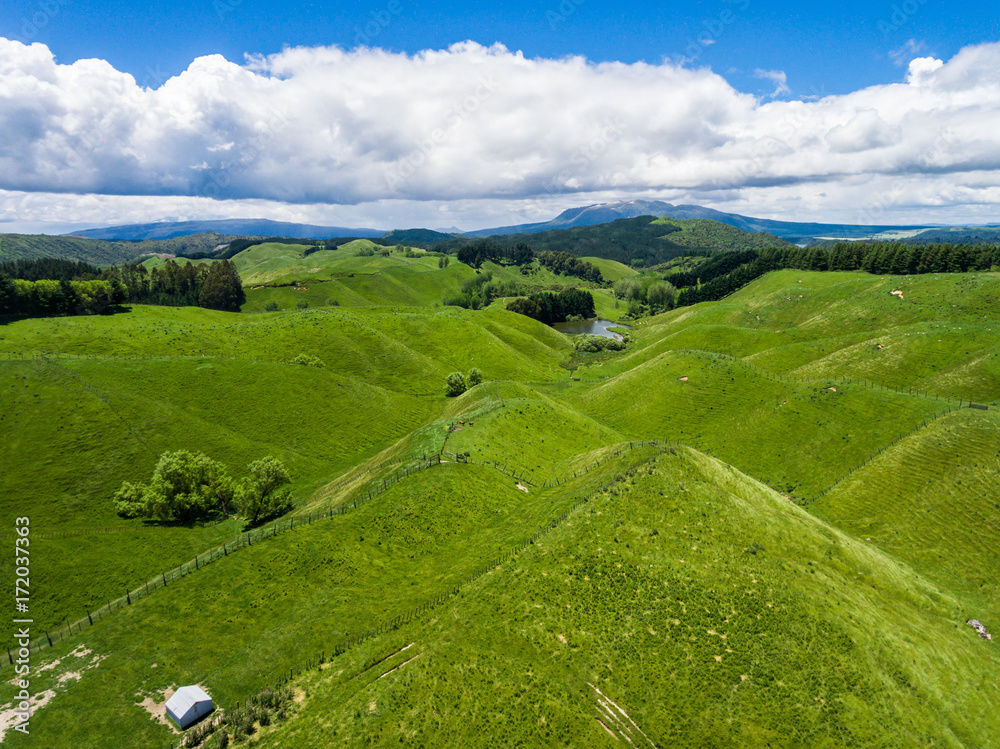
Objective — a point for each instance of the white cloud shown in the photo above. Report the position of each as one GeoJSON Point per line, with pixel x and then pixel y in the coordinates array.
{"type": "Point", "coordinates": [491, 135]}
{"type": "Point", "coordinates": [907, 52]}
{"type": "Point", "coordinates": [777, 77]}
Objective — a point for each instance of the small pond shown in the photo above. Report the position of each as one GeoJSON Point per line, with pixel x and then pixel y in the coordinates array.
{"type": "Point", "coordinates": [596, 326]}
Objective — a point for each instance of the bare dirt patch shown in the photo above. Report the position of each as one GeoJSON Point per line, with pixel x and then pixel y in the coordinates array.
{"type": "Point", "coordinates": [683, 379]}
{"type": "Point", "coordinates": [522, 487]}
{"type": "Point", "coordinates": [157, 708]}
{"type": "Point", "coordinates": [897, 292]}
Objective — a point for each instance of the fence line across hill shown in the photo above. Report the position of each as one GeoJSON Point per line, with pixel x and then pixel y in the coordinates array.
{"type": "Point", "coordinates": [352, 641]}
{"type": "Point", "coordinates": [271, 530]}
{"type": "Point", "coordinates": [254, 535]}
{"type": "Point", "coordinates": [805, 380]}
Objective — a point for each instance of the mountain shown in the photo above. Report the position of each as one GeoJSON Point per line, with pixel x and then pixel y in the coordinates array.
{"type": "Point", "coordinates": [255, 227]}
{"type": "Point", "coordinates": [605, 212]}
{"type": "Point", "coordinates": [415, 237]}
{"type": "Point", "coordinates": [642, 238]}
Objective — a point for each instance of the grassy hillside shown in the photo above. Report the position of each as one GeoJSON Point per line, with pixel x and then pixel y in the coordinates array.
{"type": "Point", "coordinates": [931, 500]}
{"type": "Point", "coordinates": [611, 270]}
{"type": "Point", "coordinates": [643, 619]}
{"type": "Point", "coordinates": [792, 563]}
{"type": "Point", "coordinates": [112, 393]}
{"type": "Point", "coordinates": [941, 337]}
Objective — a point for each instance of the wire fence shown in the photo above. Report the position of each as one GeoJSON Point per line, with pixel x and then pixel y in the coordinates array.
{"type": "Point", "coordinates": [351, 641]}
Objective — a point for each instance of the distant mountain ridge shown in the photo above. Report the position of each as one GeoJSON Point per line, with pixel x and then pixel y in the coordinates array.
{"type": "Point", "coordinates": [591, 215]}
{"type": "Point", "coordinates": [254, 227]}
{"type": "Point", "coordinates": [603, 213]}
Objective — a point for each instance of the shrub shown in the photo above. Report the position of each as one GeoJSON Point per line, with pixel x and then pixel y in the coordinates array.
{"type": "Point", "coordinates": [308, 360]}
{"type": "Point", "coordinates": [596, 343]}
{"type": "Point", "coordinates": [475, 377]}
{"type": "Point", "coordinates": [271, 306]}
{"type": "Point", "coordinates": [302, 304]}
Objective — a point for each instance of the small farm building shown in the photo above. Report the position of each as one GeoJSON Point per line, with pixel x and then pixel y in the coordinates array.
{"type": "Point", "coordinates": [188, 705]}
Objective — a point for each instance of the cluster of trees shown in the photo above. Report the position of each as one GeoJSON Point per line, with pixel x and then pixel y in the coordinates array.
{"type": "Point", "coordinates": [549, 308]}
{"type": "Point", "coordinates": [81, 289]}
{"type": "Point", "coordinates": [874, 257]}
{"type": "Point", "coordinates": [477, 292]}
{"type": "Point", "coordinates": [718, 264]}
{"type": "Point", "coordinates": [189, 486]}
{"type": "Point", "coordinates": [571, 265]}
{"type": "Point", "coordinates": [215, 286]}
{"type": "Point", "coordinates": [57, 298]}
{"type": "Point", "coordinates": [895, 257]}
{"type": "Point", "coordinates": [593, 344]}
{"type": "Point", "coordinates": [645, 294]}
{"type": "Point", "coordinates": [477, 253]}
{"type": "Point", "coordinates": [49, 269]}
{"type": "Point", "coordinates": [456, 383]}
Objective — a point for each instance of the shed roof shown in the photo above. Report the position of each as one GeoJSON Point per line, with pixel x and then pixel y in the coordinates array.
{"type": "Point", "coordinates": [185, 697]}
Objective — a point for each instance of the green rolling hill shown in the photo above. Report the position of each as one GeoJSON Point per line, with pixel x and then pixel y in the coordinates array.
{"type": "Point", "coordinates": [763, 523]}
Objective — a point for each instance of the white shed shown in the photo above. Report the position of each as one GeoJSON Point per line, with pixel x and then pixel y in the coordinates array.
{"type": "Point", "coordinates": [188, 705]}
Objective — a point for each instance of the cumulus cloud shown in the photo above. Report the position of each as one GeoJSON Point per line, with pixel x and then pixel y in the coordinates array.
{"type": "Point", "coordinates": [322, 126]}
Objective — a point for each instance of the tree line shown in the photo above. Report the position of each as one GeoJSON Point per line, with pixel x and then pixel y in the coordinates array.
{"type": "Point", "coordinates": [484, 250]}
{"type": "Point", "coordinates": [873, 257]}
{"type": "Point", "coordinates": [82, 289]}
{"type": "Point", "coordinates": [550, 308]}
{"type": "Point", "coordinates": [570, 265]}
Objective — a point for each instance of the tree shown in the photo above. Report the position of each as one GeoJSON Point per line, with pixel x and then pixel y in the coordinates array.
{"type": "Point", "coordinates": [628, 288]}
{"type": "Point", "coordinates": [475, 377]}
{"type": "Point", "coordinates": [660, 295]}
{"type": "Point", "coordinates": [222, 289]}
{"type": "Point", "coordinates": [8, 296]}
{"type": "Point", "coordinates": [454, 385]}
{"type": "Point", "coordinates": [443, 261]}
{"type": "Point", "coordinates": [185, 486]}
{"type": "Point", "coordinates": [264, 492]}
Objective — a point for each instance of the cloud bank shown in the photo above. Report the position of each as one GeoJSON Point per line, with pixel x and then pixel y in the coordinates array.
{"type": "Point", "coordinates": [322, 126]}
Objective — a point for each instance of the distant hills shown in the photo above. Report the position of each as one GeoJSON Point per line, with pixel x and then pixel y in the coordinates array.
{"type": "Point", "coordinates": [605, 212]}
{"type": "Point", "coordinates": [253, 227]}
{"type": "Point", "coordinates": [591, 215]}
{"type": "Point", "coordinates": [575, 230]}
{"type": "Point", "coordinates": [642, 238]}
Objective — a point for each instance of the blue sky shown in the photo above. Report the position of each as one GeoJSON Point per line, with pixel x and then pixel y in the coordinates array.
{"type": "Point", "coordinates": [823, 47]}
{"type": "Point", "coordinates": [472, 115]}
